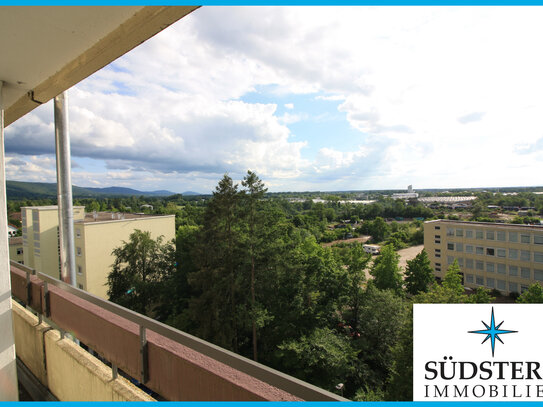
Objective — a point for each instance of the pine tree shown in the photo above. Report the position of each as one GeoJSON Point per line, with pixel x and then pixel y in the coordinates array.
{"type": "Point", "coordinates": [252, 197]}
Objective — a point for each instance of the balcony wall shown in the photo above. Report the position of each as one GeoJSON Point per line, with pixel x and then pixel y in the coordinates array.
{"type": "Point", "coordinates": [192, 371]}
{"type": "Point", "coordinates": [69, 372]}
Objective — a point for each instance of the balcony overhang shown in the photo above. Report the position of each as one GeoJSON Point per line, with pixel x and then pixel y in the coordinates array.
{"type": "Point", "coordinates": [47, 50]}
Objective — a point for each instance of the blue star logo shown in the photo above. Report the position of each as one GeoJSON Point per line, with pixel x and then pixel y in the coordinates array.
{"type": "Point", "coordinates": [492, 332]}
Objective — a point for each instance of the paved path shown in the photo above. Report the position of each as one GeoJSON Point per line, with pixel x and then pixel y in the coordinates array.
{"type": "Point", "coordinates": [409, 254]}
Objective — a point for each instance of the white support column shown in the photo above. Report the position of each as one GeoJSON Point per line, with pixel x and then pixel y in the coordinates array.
{"type": "Point", "coordinates": [64, 188]}
{"type": "Point", "coordinates": [8, 367]}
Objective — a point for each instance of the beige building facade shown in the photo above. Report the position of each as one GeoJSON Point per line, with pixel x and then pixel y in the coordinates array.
{"type": "Point", "coordinates": [506, 257]}
{"type": "Point", "coordinates": [16, 249]}
{"type": "Point", "coordinates": [96, 235]}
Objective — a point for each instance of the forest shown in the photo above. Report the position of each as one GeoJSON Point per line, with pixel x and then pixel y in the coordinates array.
{"type": "Point", "coordinates": [248, 272]}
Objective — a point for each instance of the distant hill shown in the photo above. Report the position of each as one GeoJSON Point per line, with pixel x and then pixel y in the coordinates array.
{"type": "Point", "coordinates": [188, 193]}
{"type": "Point", "coordinates": [37, 190]}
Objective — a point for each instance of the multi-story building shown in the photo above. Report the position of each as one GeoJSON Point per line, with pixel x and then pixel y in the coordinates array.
{"type": "Point", "coordinates": [96, 235]}
{"type": "Point", "coordinates": [16, 249]}
{"type": "Point", "coordinates": [506, 257]}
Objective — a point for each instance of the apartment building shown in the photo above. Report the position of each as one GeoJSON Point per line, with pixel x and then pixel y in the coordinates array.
{"type": "Point", "coordinates": [96, 235]}
{"type": "Point", "coordinates": [506, 257]}
{"type": "Point", "coordinates": [16, 249]}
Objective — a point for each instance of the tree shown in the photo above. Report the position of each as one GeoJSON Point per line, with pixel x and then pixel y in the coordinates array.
{"type": "Point", "coordinates": [418, 274]}
{"type": "Point", "coordinates": [386, 270]}
{"type": "Point", "coordinates": [252, 197]}
{"type": "Point", "coordinates": [453, 279]}
{"type": "Point", "coordinates": [218, 284]}
{"type": "Point", "coordinates": [140, 268]}
{"type": "Point", "coordinates": [533, 295]}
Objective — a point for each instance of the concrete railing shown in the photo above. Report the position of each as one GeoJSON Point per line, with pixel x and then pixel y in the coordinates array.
{"type": "Point", "coordinates": [174, 364]}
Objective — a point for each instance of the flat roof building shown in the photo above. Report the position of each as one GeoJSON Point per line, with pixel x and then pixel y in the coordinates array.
{"type": "Point", "coordinates": [96, 235]}
{"type": "Point", "coordinates": [506, 257]}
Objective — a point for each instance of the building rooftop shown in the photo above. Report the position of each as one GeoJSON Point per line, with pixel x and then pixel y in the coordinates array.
{"type": "Point", "coordinates": [15, 240]}
{"type": "Point", "coordinates": [114, 216]}
{"type": "Point", "coordinates": [506, 225]}
{"type": "Point", "coordinates": [47, 207]}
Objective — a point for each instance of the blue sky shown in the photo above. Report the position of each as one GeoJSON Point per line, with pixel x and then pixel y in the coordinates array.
{"type": "Point", "coordinates": [311, 98]}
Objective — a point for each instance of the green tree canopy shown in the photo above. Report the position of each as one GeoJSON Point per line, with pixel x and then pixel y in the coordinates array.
{"type": "Point", "coordinates": [386, 270]}
{"type": "Point", "coordinates": [140, 268]}
{"type": "Point", "coordinates": [533, 295]}
{"type": "Point", "coordinates": [418, 274]}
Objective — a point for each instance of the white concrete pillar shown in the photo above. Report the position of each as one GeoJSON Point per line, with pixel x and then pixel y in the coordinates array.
{"type": "Point", "coordinates": [8, 367]}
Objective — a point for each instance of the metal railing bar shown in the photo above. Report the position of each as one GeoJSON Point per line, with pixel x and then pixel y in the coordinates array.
{"type": "Point", "coordinates": [264, 373]}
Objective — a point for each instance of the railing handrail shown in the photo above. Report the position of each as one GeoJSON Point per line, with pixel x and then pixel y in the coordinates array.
{"type": "Point", "coordinates": [283, 381]}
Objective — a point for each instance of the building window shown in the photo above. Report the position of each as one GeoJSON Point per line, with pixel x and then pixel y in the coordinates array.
{"type": "Point", "coordinates": [538, 239]}
{"type": "Point", "coordinates": [19, 251]}
{"type": "Point", "coordinates": [500, 236]}
{"type": "Point", "coordinates": [479, 280]}
{"type": "Point", "coordinates": [538, 257]}
{"type": "Point", "coordinates": [525, 255]}
{"type": "Point", "coordinates": [500, 252]}
{"type": "Point", "coordinates": [80, 286]}
{"type": "Point", "coordinates": [437, 227]}
{"type": "Point", "coordinates": [513, 270]}
{"type": "Point", "coordinates": [478, 234]}
{"type": "Point", "coordinates": [489, 235]}
{"type": "Point", "coordinates": [438, 250]}
{"type": "Point", "coordinates": [469, 263]}
{"type": "Point", "coordinates": [450, 259]}
{"type": "Point", "coordinates": [437, 237]}
{"type": "Point", "coordinates": [500, 268]}
{"type": "Point", "coordinates": [479, 265]}
{"type": "Point", "coordinates": [500, 284]}
{"type": "Point", "coordinates": [460, 232]}
{"type": "Point", "coordinates": [469, 278]}
{"type": "Point", "coordinates": [438, 269]}
{"type": "Point", "coordinates": [538, 275]}
{"type": "Point", "coordinates": [525, 239]}
{"type": "Point", "coordinates": [469, 234]}
{"type": "Point", "coordinates": [450, 246]}
{"type": "Point", "coordinates": [513, 287]}
{"type": "Point", "coordinates": [523, 288]}
{"type": "Point", "coordinates": [490, 251]}
{"type": "Point", "coordinates": [469, 248]}
{"type": "Point", "coordinates": [460, 261]}
{"type": "Point", "coordinates": [490, 267]}
{"type": "Point", "coordinates": [450, 232]}
{"type": "Point", "coordinates": [79, 270]}
{"type": "Point", "coordinates": [525, 273]}
{"type": "Point", "coordinates": [438, 255]}
{"type": "Point", "coordinates": [513, 254]}
{"type": "Point", "coordinates": [79, 251]}
{"type": "Point", "coordinates": [513, 237]}
{"type": "Point", "coordinates": [78, 233]}
{"type": "Point", "coordinates": [459, 247]}
{"type": "Point", "coordinates": [490, 283]}
{"type": "Point", "coordinates": [479, 250]}
{"type": "Point", "coordinates": [437, 241]}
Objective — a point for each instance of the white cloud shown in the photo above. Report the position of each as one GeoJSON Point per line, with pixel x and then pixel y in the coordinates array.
{"type": "Point", "coordinates": [440, 96]}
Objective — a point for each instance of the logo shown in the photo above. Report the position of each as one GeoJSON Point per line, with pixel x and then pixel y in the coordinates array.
{"type": "Point", "coordinates": [492, 332]}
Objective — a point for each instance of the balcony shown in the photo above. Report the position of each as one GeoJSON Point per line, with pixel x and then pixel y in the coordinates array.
{"type": "Point", "coordinates": [130, 349]}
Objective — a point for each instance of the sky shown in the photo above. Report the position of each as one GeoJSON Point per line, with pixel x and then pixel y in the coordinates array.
{"type": "Point", "coordinates": [311, 99]}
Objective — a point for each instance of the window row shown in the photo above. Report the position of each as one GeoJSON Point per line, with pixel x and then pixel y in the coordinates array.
{"type": "Point", "coordinates": [501, 236]}
{"type": "Point", "coordinates": [499, 268]}
{"type": "Point", "coordinates": [513, 254]}
{"type": "Point", "coordinates": [495, 283]}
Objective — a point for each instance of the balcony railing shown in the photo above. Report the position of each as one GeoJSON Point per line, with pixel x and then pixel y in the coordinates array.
{"type": "Point", "coordinates": [172, 363]}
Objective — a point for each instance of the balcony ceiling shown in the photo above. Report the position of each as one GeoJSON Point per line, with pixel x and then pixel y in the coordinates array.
{"type": "Point", "coordinates": [46, 50]}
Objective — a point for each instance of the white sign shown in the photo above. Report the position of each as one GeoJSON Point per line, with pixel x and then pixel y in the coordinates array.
{"type": "Point", "coordinates": [471, 352]}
